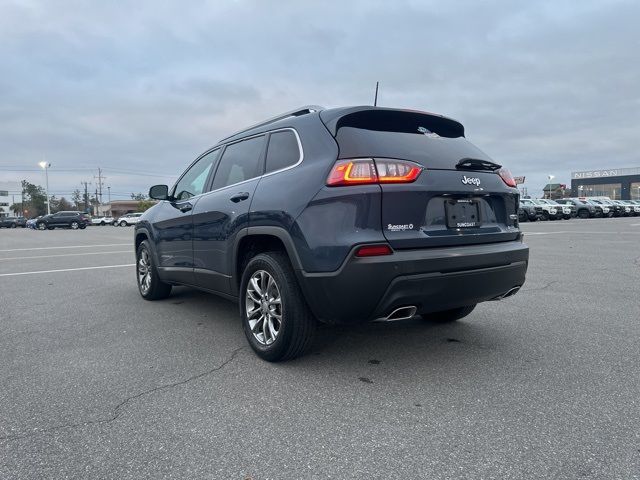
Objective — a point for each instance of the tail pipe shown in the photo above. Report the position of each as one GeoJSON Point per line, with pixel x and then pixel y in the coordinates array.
{"type": "Point", "coordinates": [401, 313]}
{"type": "Point", "coordinates": [509, 293]}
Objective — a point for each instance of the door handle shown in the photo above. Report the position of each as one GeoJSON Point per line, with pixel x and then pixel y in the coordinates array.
{"type": "Point", "coordinates": [238, 197]}
{"type": "Point", "coordinates": [185, 207]}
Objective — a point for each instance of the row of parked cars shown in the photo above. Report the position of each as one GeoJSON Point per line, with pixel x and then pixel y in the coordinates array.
{"type": "Point", "coordinates": [532, 209]}
{"type": "Point", "coordinates": [68, 219]}
{"type": "Point", "coordinates": [123, 221]}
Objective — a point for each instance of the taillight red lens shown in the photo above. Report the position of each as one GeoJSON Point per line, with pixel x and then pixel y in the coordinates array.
{"type": "Point", "coordinates": [367, 170]}
{"type": "Point", "coordinates": [353, 172]}
{"type": "Point", "coordinates": [507, 177]}
{"type": "Point", "coordinates": [373, 251]}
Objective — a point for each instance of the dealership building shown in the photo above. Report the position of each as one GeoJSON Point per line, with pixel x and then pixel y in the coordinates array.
{"type": "Point", "coordinates": [615, 183]}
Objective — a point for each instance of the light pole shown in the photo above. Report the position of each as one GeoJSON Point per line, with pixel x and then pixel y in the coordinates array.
{"type": "Point", "coordinates": [550, 177]}
{"type": "Point", "coordinates": [46, 166]}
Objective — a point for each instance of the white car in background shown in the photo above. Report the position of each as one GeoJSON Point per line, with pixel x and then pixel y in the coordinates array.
{"type": "Point", "coordinates": [101, 220]}
{"type": "Point", "coordinates": [562, 211]}
{"type": "Point", "coordinates": [128, 219]}
{"type": "Point", "coordinates": [549, 212]}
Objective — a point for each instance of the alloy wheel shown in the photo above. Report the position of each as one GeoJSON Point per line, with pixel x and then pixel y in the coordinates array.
{"type": "Point", "coordinates": [74, 225]}
{"type": "Point", "coordinates": [144, 271]}
{"type": "Point", "coordinates": [263, 307]}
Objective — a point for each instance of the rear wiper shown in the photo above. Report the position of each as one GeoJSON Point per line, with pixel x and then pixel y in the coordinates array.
{"type": "Point", "coordinates": [477, 164]}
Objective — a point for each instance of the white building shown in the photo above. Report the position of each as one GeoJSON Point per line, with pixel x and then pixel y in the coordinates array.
{"type": "Point", "coordinates": [8, 192]}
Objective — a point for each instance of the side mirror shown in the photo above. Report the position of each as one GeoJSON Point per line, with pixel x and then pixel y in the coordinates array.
{"type": "Point", "coordinates": [159, 192]}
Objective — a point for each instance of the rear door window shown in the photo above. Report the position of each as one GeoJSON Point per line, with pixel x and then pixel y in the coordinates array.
{"type": "Point", "coordinates": [283, 151]}
{"type": "Point", "coordinates": [240, 161]}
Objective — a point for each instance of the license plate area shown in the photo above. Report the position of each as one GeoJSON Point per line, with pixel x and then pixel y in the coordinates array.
{"type": "Point", "coordinates": [462, 213]}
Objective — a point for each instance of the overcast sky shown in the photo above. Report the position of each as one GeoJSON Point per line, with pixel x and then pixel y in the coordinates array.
{"type": "Point", "coordinates": [142, 86]}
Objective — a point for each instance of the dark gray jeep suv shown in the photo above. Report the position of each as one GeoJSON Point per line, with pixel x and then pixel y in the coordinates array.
{"type": "Point", "coordinates": [338, 215]}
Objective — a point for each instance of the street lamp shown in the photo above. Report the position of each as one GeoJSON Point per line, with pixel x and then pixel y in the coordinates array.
{"type": "Point", "coordinates": [45, 166]}
{"type": "Point", "coordinates": [550, 177]}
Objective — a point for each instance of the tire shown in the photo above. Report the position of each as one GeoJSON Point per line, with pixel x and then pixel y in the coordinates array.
{"type": "Point", "coordinates": [584, 213]}
{"type": "Point", "coordinates": [447, 316]}
{"type": "Point", "coordinates": [13, 225]}
{"type": "Point", "coordinates": [82, 226]}
{"type": "Point", "coordinates": [102, 224]}
{"type": "Point", "coordinates": [544, 216]}
{"type": "Point", "coordinates": [297, 326]}
{"type": "Point", "coordinates": [123, 223]}
{"type": "Point", "coordinates": [74, 225]}
{"type": "Point", "coordinates": [41, 226]}
{"type": "Point", "coordinates": [151, 287]}
{"type": "Point", "coordinates": [523, 217]}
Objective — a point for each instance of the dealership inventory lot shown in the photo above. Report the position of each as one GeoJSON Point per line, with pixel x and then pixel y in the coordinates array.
{"type": "Point", "coordinates": [98, 383]}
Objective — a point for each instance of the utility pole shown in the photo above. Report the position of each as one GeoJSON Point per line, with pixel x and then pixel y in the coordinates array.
{"type": "Point", "coordinates": [86, 195]}
{"type": "Point", "coordinates": [109, 189]}
{"type": "Point", "coordinates": [100, 178]}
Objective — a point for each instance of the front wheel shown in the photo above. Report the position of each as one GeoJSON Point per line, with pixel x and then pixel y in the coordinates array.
{"type": "Point", "coordinates": [275, 317]}
{"type": "Point", "coordinates": [149, 283]}
{"type": "Point", "coordinates": [447, 316]}
{"type": "Point", "coordinates": [123, 223]}
{"type": "Point", "coordinates": [75, 225]}
{"type": "Point", "coordinates": [583, 214]}
{"type": "Point", "coordinates": [544, 216]}
{"type": "Point", "coordinates": [41, 226]}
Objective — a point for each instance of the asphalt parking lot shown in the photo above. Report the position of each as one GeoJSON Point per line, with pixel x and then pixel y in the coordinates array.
{"type": "Point", "coordinates": [98, 383]}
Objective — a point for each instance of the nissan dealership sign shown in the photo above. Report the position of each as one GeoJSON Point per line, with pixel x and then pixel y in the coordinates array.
{"type": "Point", "coordinates": [615, 172]}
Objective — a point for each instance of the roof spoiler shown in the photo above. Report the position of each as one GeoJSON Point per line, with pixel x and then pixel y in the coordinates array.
{"type": "Point", "coordinates": [293, 113]}
{"type": "Point", "coordinates": [374, 118]}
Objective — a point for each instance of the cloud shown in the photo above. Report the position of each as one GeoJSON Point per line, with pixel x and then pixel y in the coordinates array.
{"type": "Point", "coordinates": [543, 87]}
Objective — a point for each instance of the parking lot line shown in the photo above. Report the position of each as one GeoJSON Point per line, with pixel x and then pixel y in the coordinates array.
{"type": "Point", "coordinates": [65, 255]}
{"type": "Point", "coordinates": [70, 246]}
{"type": "Point", "coordinates": [65, 270]}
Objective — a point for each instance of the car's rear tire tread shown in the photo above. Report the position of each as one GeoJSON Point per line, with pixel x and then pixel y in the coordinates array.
{"type": "Point", "coordinates": [299, 324]}
{"type": "Point", "coordinates": [451, 315]}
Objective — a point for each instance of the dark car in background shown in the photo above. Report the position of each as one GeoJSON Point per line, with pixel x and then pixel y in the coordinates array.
{"type": "Point", "coordinates": [12, 222]}
{"type": "Point", "coordinates": [67, 219]}
{"type": "Point", "coordinates": [529, 211]}
{"type": "Point", "coordinates": [584, 208]}
{"type": "Point", "coordinates": [342, 215]}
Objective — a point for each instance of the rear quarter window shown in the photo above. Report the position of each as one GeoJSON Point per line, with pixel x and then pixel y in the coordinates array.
{"type": "Point", "coordinates": [283, 151]}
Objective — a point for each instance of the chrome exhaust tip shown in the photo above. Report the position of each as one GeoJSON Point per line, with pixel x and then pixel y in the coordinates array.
{"type": "Point", "coordinates": [401, 313]}
{"type": "Point", "coordinates": [509, 293]}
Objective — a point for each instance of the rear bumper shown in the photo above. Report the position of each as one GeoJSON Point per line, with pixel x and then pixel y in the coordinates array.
{"type": "Point", "coordinates": [431, 279]}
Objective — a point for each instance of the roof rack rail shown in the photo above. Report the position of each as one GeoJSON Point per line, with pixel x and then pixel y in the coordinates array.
{"type": "Point", "coordinates": [293, 113]}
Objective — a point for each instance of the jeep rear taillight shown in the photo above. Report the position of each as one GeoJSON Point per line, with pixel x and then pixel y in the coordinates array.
{"type": "Point", "coordinates": [507, 178]}
{"type": "Point", "coordinates": [363, 171]}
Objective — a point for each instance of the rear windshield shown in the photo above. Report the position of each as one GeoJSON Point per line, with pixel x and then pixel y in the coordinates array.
{"type": "Point", "coordinates": [425, 139]}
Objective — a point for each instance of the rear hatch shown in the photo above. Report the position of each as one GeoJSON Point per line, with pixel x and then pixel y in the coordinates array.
{"type": "Point", "coordinates": [458, 197]}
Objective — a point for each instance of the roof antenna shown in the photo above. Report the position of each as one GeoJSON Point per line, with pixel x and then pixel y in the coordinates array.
{"type": "Point", "coordinates": [375, 100]}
